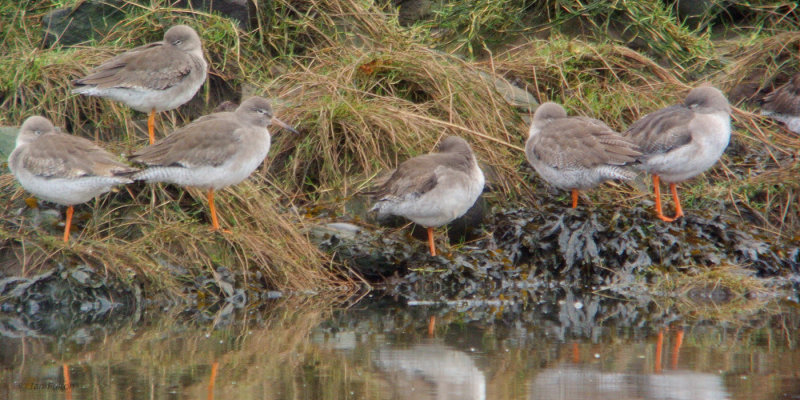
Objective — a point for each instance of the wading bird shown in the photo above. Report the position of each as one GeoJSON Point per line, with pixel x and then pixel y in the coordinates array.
{"type": "Point", "coordinates": [62, 168]}
{"type": "Point", "coordinates": [433, 189]}
{"type": "Point", "coordinates": [683, 140]}
{"type": "Point", "coordinates": [156, 77]}
{"type": "Point", "coordinates": [212, 152]}
{"type": "Point", "coordinates": [576, 153]}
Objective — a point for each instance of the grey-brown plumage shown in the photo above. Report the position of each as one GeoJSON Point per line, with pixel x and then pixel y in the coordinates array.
{"type": "Point", "coordinates": [152, 78]}
{"type": "Point", "coordinates": [683, 140]}
{"type": "Point", "coordinates": [42, 154]}
{"type": "Point", "coordinates": [783, 104]}
{"type": "Point", "coordinates": [212, 152]}
{"type": "Point", "coordinates": [576, 153]}
{"type": "Point", "coordinates": [433, 189]}
{"type": "Point", "coordinates": [63, 168]}
{"type": "Point", "coordinates": [160, 75]}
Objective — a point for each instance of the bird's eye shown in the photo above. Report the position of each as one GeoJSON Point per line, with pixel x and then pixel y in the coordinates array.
{"type": "Point", "coordinates": [37, 131]}
{"type": "Point", "coordinates": [177, 42]}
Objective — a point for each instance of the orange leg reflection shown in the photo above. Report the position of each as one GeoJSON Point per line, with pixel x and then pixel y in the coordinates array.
{"type": "Point", "coordinates": [676, 348]}
{"type": "Point", "coordinates": [432, 326]}
{"type": "Point", "coordinates": [659, 346]}
{"type": "Point", "coordinates": [212, 380]}
{"type": "Point", "coordinates": [576, 353]}
{"type": "Point", "coordinates": [67, 382]}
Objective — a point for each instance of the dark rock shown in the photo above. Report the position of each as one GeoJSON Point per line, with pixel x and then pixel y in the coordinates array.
{"type": "Point", "coordinates": [91, 20]}
{"type": "Point", "coordinates": [84, 22]}
{"type": "Point", "coordinates": [238, 10]}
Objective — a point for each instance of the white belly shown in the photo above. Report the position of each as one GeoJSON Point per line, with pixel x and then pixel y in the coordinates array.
{"type": "Point", "coordinates": [698, 155]}
{"type": "Point", "coordinates": [231, 172]}
{"type": "Point", "coordinates": [145, 100]}
{"type": "Point", "coordinates": [439, 206]}
{"type": "Point", "coordinates": [580, 178]}
{"type": "Point", "coordinates": [70, 191]}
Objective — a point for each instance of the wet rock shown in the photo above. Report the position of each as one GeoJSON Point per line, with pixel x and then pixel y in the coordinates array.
{"type": "Point", "coordinates": [411, 11]}
{"type": "Point", "coordinates": [67, 296]}
{"type": "Point", "coordinates": [590, 244]}
{"type": "Point", "coordinates": [531, 250]}
{"type": "Point", "coordinates": [693, 12]}
{"type": "Point", "coordinates": [342, 230]}
{"type": "Point", "coordinates": [710, 295]}
{"type": "Point", "coordinates": [8, 139]}
{"type": "Point", "coordinates": [86, 21]}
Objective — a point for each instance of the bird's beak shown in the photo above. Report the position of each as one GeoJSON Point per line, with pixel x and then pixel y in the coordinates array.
{"type": "Point", "coordinates": [284, 125]}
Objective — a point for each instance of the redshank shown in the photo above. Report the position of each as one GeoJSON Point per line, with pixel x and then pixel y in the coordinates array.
{"type": "Point", "coordinates": [576, 153]}
{"type": "Point", "coordinates": [62, 168]}
{"type": "Point", "coordinates": [433, 189]}
{"type": "Point", "coordinates": [682, 141]}
{"type": "Point", "coordinates": [783, 104]}
{"type": "Point", "coordinates": [152, 78]}
{"type": "Point", "coordinates": [212, 152]}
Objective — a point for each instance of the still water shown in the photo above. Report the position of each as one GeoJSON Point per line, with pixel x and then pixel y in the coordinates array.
{"type": "Point", "coordinates": [568, 347]}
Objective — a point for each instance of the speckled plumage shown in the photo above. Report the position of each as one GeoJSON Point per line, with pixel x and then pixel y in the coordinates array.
{"type": "Point", "coordinates": [214, 151]}
{"type": "Point", "coordinates": [63, 168]}
{"type": "Point", "coordinates": [683, 140]}
{"type": "Point", "coordinates": [433, 189]}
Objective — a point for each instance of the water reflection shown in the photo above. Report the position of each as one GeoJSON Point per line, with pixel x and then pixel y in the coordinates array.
{"type": "Point", "coordinates": [589, 383]}
{"type": "Point", "coordinates": [569, 348]}
{"type": "Point", "coordinates": [431, 371]}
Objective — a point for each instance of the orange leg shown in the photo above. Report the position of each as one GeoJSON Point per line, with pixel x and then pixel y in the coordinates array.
{"type": "Point", "coordinates": [432, 326]}
{"type": "Point", "coordinates": [657, 191]}
{"type": "Point", "coordinates": [430, 241]}
{"type": "Point", "coordinates": [214, 222]}
{"type": "Point", "coordinates": [574, 198]}
{"type": "Point", "coordinates": [67, 382]}
{"type": "Point", "coordinates": [676, 348]}
{"type": "Point", "coordinates": [678, 210]}
{"type": "Point", "coordinates": [211, 380]}
{"type": "Point", "coordinates": [151, 125]}
{"type": "Point", "coordinates": [70, 210]}
{"type": "Point", "coordinates": [659, 346]}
